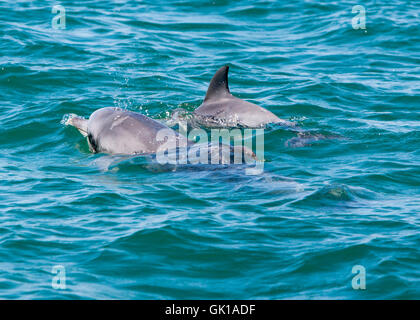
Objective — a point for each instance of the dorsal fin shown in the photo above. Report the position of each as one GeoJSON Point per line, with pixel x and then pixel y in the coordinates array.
{"type": "Point", "coordinates": [219, 84]}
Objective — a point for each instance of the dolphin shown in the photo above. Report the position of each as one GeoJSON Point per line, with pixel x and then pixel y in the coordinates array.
{"type": "Point", "coordinates": [116, 131]}
{"type": "Point", "coordinates": [221, 109]}
{"type": "Point", "coordinates": [121, 132]}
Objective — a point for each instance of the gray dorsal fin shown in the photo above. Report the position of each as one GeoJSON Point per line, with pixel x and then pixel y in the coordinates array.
{"type": "Point", "coordinates": [219, 84]}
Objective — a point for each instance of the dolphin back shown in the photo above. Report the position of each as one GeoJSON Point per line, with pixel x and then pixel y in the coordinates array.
{"type": "Point", "coordinates": [221, 109]}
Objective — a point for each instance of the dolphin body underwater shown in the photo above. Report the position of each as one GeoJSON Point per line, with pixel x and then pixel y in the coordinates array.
{"type": "Point", "coordinates": [220, 109]}
{"type": "Point", "coordinates": [116, 131]}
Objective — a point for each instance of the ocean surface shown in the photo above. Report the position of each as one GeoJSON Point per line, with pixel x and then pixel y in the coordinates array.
{"type": "Point", "coordinates": [342, 190]}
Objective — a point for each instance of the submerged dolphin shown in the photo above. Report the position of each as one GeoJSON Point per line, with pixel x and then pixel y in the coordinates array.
{"type": "Point", "coordinates": [117, 131]}
{"type": "Point", "coordinates": [221, 109]}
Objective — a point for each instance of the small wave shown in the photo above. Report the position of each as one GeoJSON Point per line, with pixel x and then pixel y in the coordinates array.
{"type": "Point", "coordinates": [335, 195]}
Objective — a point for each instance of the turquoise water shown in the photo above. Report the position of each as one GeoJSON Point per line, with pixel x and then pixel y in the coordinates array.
{"type": "Point", "coordinates": [320, 207]}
